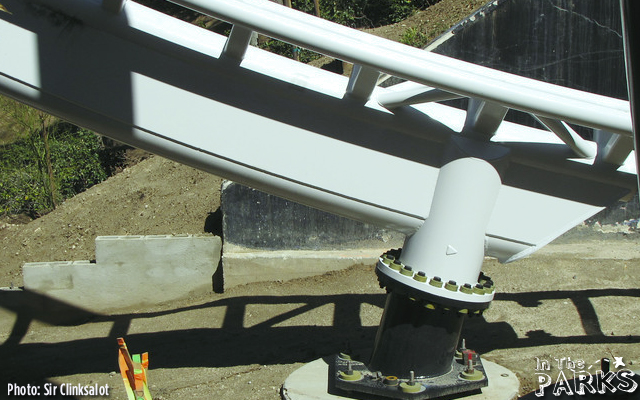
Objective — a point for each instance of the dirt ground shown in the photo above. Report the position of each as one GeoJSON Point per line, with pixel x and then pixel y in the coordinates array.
{"type": "Point", "coordinates": [575, 298]}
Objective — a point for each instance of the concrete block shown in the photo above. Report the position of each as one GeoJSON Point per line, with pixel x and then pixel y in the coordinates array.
{"type": "Point", "coordinates": [256, 220]}
{"type": "Point", "coordinates": [267, 238]}
{"type": "Point", "coordinates": [48, 276]}
{"type": "Point", "coordinates": [130, 272]}
{"type": "Point", "coordinates": [152, 249]}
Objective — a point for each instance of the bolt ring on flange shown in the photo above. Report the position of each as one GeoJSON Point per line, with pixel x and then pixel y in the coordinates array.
{"type": "Point", "coordinates": [401, 279]}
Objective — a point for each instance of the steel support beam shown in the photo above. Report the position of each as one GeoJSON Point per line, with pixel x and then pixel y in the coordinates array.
{"type": "Point", "coordinates": [465, 194]}
{"type": "Point", "coordinates": [361, 83]}
{"type": "Point", "coordinates": [483, 118]}
{"type": "Point", "coordinates": [612, 149]}
{"type": "Point", "coordinates": [237, 43]}
{"type": "Point", "coordinates": [433, 284]}
{"type": "Point", "coordinates": [414, 94]}
{"type": "Point", "coordinates": [583, 148]}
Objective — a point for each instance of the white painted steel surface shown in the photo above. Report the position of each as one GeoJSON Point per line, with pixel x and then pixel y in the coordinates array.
{"type": "Point", "coordinates": [419, 66]}
{"type": "Point", "coordinates": [160, 84]}
{"type": "Point", "coordinates": [464, 196]}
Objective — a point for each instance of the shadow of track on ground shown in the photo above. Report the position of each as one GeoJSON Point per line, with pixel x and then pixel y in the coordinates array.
{"type": "Point", "coordinates": [233, 342]}
{"type": "Point", "coordinates": [487, 336]}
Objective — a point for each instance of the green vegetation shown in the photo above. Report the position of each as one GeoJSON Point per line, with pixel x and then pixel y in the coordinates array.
{"type": "Point", "coordinates": [364, 13]}
{"type": "Point", "coordinates": [355, 14]}
{"type": "Point", "coordinates": [287, 50]}
{"type": "Point", "coordinates": [415, 37]}
{"type": "Point", "coordinates": [47, 162]}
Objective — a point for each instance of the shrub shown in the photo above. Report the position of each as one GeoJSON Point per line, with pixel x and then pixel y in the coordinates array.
{"type": "Point", "coordinates": [24, 179]}
{"type": "Point", "coordinates": [415, 37]}
{"type": "Point", "coordinates": [76, 160]}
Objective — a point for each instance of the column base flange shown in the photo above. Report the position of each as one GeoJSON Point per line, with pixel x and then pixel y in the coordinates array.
{"type": "Point", "coordinates": [456, 381]}
{"type": "Point", "coordinates": [316, 381]}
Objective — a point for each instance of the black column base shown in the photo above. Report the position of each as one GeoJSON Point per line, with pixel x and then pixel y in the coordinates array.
{"type": "Point", "coordinates": [354, 376]}
{"type": "Point", "coordinates": [412, 337]}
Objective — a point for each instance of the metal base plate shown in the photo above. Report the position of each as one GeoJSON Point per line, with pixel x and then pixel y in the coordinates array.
{"type": "Point", "coordinates": [314, 382]}
{"type": "Point", "coordinates": [361, 379]}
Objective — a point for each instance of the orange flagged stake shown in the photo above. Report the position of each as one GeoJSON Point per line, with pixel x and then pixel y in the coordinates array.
{"type": "Point", "coordinates": [134, 372]}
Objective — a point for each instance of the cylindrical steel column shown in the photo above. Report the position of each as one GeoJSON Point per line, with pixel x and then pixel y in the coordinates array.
{"type": "Point", "coordinates": [419, 331]}
{"type": "Point", "coordinates": [412, 337]}
{"type": "Point", "coordinates": [450, 244]}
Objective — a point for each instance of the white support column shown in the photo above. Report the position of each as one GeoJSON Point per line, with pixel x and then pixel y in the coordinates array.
{"type": "Point", "coordinates": [237, 43]}
{"type": "Point", "coordinates": [582, 148]}
{"type": "Point", "coordinates": [361, 83]}
{"type": "Point", "coordinates": [450, 244]}
{"type": "Point", "coordinates": [483, 118]}
{"type": "Point", "coordinates": [612, 148]}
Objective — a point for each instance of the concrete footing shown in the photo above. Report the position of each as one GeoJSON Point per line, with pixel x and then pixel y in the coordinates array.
{"type": "Point", "coordinates": [130, 271]}
{"type": "Point", "coordinates": [267, 238]}
{"type": "Point", "coordinates": [243, 266]}
{"type": "Point", "coordinates": [311, 382]}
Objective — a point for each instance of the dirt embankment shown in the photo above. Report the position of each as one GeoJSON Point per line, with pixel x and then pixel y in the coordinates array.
{"type": "Point", "coordinates": [154, 197]}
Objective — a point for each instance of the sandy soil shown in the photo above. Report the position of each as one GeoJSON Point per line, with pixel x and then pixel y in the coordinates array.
{"type": "Point", "coordinates": [567, 301]}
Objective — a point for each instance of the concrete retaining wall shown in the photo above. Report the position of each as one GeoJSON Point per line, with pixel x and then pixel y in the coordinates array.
{"type": "Point", "coordinates": [243, 266]}
{"type": "Point", "coordinates": [130, 271]}
{"type": "Point", "coordinates": [267, 238]}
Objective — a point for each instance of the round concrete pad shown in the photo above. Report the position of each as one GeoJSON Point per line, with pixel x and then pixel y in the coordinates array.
{"type": "Point", "coordinates": [311, 382]}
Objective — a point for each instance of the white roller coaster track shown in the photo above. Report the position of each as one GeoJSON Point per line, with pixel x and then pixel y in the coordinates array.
{"type": "Point", "coordinates": [337, 143]}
